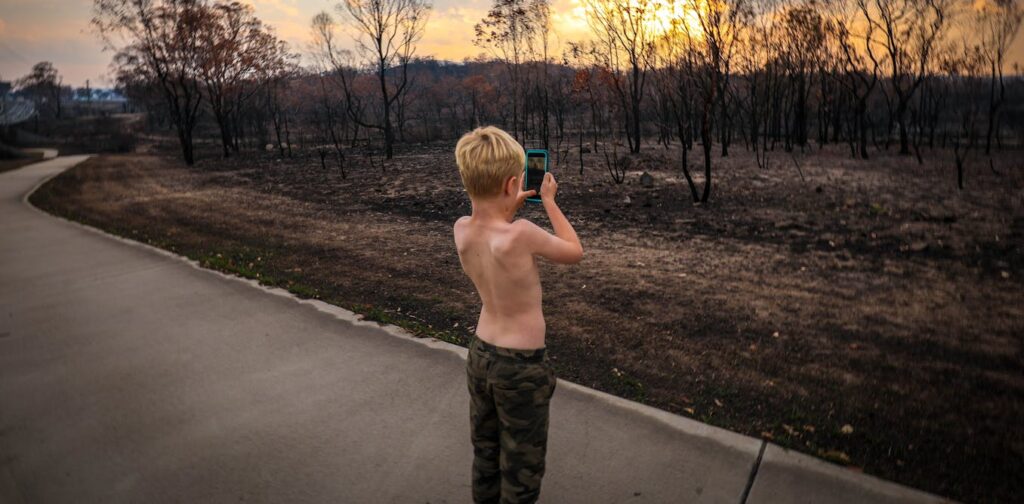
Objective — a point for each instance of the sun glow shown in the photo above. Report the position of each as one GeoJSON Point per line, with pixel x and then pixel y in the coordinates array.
{"type": "Point", "coordinates": [675, 17]}
{"type": "Point", "coordinates": [655, 18]}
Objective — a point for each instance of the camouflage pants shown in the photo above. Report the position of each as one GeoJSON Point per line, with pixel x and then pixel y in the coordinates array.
{"type": "Point", "coordinates": [509, 393]}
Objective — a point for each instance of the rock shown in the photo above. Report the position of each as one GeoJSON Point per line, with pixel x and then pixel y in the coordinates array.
{"type": "Point", "coordinates": [918, 246]}
{"type": "Point", "coordinates": [646, 179]}
{"type": "Point", "coordinates": [627, 201]}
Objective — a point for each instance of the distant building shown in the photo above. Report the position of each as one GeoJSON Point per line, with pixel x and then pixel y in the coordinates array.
{"type": "Point", "coordinates": [97, 101]}
{"type": "Point", "coordinates": [98, 95]}
{"type": "Point", "coordinates": [13, 110]}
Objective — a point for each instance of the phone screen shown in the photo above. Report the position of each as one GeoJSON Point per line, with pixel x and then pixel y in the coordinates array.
{"type": "Point", "coordinates": [535, 163]}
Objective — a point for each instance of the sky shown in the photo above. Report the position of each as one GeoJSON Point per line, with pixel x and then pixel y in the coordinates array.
{"type": "Point", "coordinates": [58, 31]}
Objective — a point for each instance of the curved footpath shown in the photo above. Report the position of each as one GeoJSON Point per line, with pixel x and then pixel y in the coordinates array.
{"type": "Point", "coordinates": [128, 374]}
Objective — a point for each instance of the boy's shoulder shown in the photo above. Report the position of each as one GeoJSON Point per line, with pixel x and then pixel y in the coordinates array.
{"type": "Point", "coordinates": [519, 228]}
{"type": "Point", "coordinates": [523, 221]}
{"type": "Point", "coordinates": [523, 225]}
{"type": "Point", "coordinates": [524, 231]}
{"type": "Point", "coordinates": [458, 229]}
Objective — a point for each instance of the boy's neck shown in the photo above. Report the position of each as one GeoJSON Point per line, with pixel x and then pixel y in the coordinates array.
{"type": "Point", "coordinates": [493, 209]}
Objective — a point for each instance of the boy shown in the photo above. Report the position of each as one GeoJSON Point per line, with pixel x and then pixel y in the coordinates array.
{"type": "Point", "coordinates": [510, 379]}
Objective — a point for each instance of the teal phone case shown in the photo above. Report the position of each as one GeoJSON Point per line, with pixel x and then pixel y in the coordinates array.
{"type": "Point", "coordinates": [534, 199]}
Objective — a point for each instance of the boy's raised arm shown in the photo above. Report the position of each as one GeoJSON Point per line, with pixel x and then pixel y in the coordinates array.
{"type": "Point", "coordinates": [562, 247]}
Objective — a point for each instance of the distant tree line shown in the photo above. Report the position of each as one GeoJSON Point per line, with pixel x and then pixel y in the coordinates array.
{"type": "Point", "coordinates": [773, 76]}
{"type": "Point", "coordinates": [187, 54]}
{"type": "Point", "coordinates": [44, 86]}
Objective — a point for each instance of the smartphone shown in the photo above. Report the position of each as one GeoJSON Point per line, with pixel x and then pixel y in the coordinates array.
{"type": "Point", "coordinates": [536, 167]}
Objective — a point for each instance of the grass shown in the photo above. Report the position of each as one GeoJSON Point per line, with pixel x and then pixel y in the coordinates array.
{"type": "Point", "coordinates": [632, 386]}
{"type": "Point", "coordinates": [249, 264]}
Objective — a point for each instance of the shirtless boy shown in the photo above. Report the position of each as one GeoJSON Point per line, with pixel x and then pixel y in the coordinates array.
{"type": "Point", "coordinates": [510, 379]}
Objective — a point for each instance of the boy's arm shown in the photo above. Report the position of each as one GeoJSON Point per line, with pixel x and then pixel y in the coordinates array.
{"type": "Point", "coordinates": [562, 247]}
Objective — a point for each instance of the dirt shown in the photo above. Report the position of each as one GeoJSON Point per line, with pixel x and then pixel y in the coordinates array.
{"type": "Point", "coordinates": [865, 312]}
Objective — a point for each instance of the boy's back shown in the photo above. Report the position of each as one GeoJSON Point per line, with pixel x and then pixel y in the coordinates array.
{"type": "Point", "coordinates": [496, 258]}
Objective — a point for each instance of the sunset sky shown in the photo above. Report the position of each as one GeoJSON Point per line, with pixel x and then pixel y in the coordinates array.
{"type": "Point", "coordinates": [58, 31]}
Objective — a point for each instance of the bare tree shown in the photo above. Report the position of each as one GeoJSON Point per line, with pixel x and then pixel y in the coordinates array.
{"type": "Point", "coordinates": [720, 23]}
{"type": "Point", "coordinates": [908, 32]}
{"type": "Point", "coordinates": [160, 39]}
{"type": "Point", "coordinates": [998, 25]}
{"type": "Point", "coordinates": [280, 105]}
{"type": "Point", "coordinates": [238, 51]}
{"type": "Point", "coordinates": [803, 31]}
{"type": "Point", "coordinates": [43, 83]}
{"type": "Point", "coordinates": [542, 17]}
{"type": "Point", "coordinates": [328, 123]}
{"type": "Point", "coordinates": [509, 31]}
{"type": "Point", "coordinates": [626, 36]}
{"type": "Point", "coordinates": [860, 65]}
{"type": "Point", "coordinates": [387, 34]}
{"type": "Point", "coordinates": [963, 65]}
{"type": "Point", "coordinates": [673, 81]}
{"type": "Point", "coordinates": [756, 62]}
{"type": "Point", "coordinates": [594, 84]}
{"type": "Point", "coordinates": [327, 54]}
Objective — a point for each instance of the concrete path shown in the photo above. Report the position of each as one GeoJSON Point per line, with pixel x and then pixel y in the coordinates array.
{"type": "Point", "coordinates": [130, 375]}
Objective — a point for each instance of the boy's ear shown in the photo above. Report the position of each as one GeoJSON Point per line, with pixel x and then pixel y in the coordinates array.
{"type": "Point", "coordinates": [512, 185]}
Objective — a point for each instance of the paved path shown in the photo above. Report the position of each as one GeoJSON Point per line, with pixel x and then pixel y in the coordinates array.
{"type": "Point", "coordinates": [130, 375]}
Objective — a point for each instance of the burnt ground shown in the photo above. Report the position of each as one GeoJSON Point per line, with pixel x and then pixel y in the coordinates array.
{"type": "Point", "coordinates": [867, 313]}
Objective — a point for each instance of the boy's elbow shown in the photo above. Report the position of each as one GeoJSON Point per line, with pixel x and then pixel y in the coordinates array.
{"type": "Point", "coordinates": [576, 256]}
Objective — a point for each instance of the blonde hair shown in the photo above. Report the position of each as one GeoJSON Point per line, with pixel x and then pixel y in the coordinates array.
{"type": "Point", "coordinates": [487, 157]}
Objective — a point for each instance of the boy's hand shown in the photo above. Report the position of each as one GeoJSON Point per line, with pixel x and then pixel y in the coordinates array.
{"type": "Point", "coordinates": [548, 188]}
{"type": "Point", "coordinates": [521, 197]}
